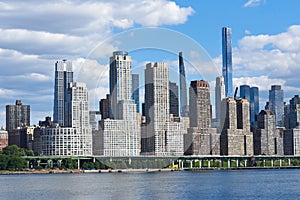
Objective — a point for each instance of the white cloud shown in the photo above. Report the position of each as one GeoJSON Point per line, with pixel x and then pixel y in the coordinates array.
{"type": "Point", "coordinates": [253, 3]}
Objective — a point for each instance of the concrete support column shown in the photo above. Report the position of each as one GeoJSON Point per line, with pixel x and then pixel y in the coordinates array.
{"type": "Point", "coordinates": [94, 159]}
{"type": "Point", "coordinates": [228, 163]}
{"type": "Point", "coordinates": [272, 163]}
{"type": "Point", "coordinates": [200, 163]}
{"type": "Point", "coordinates": [208, 163]}
{"type": "Point", "coordinates": [191, 163]}
{"type": "Point", "coordinates": [289, 162]}
{"type": "Point", "coordinates": [129, 161]}
{"type": "Point", "coordinates": [78, 163]}
{"type": "Point", "coordinates": [264, 163]}
{"type": "Point", "coordinates": [237, 162]}
{"type": "Point", "coordinates": [245, 163]}
{"type": "Point", "coordinates": [179, 164]}
{"type": "Point", "coordinates": [280, 163]}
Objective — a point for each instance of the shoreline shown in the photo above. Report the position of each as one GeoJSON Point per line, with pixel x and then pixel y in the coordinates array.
{"type": "Point", "coordinates": [76, 171]}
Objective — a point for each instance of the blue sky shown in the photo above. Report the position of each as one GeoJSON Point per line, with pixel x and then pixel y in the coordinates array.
{"type": "Point", "coordinates": [34, 34]}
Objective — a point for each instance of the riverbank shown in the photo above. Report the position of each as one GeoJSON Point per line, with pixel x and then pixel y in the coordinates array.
{"type": "Point", "coordinates": [58, 171]}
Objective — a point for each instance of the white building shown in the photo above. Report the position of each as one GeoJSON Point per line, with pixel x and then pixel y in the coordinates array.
{"type": "Point", "coordinates": [121, 132]}
{"type": "Point", "coordinates": [76, 138]}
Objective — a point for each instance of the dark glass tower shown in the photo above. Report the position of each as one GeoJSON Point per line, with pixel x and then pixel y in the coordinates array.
{"type": "Point", "coordinates": [136, 91]}
{"type": "Point", "coordinates": [63, 76]}
{"type": "Point", "coordinates": [227, 61]}
{"type": "Point", "coordinates": [182, 87]}
{"type": "Point", "coordinates": [276, 104]}
{"type": "Point", "coordinates": [254, 104]}
{"type": "Point", "coordinates": [251, 94]}
{"type": "Point", "coordinates": [173, 99]}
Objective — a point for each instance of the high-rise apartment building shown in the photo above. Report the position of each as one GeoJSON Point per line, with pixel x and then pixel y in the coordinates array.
{"type": "Point", "coordinates": [276, 104]}
{"type": "Point", "coordinates": [121, 132]}
{"type": "Point", "coordinates": [173, 99]}
{"type": "Point", "coordinates": [201, 139]}
{"type": "Point", "coordinates": [63, 76]}
{"type": "Point", "coordinates": [17, 115]}
{"type": "Point", "coordinates": [75, 138]}
{"type": "Point", "coordinates": [156, 107]}
{"type": "Point", "coordinates": [182, 86]}
{"type": "Point", "coordinates": [236, 138]}
{"type": "Point", "coordinates": [227, 61]}
{"type": "Point", "coordinates": [265, 142]}
{"type": "Point", "coordinates": [219, 95]}
{"type": "Point", "coordinates": [136, 91]}
{"type": "Point", "coordinates": [292, 113]}
{"type": "Point", "coordinates": [120, 80]}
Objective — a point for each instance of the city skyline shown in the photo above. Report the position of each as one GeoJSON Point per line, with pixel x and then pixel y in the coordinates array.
{"type": "Point", "coordinates": [27, 58]}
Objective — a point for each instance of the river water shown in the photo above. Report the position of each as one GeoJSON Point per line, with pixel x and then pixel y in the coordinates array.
{"type": "Point", "coordinates": [248, 184]}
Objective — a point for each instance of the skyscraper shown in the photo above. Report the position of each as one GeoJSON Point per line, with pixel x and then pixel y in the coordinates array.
{"type": "Point", "coordinates": [173, 99]}
{"type": "Point", "coordinates": [227, 61]}
{"type": "Point", "coordinates": [17, 115]}
{"type": "Point", "coordinates": [276, 104]}
{"type": "Point", "coordinates": [236, 138]}
{"type": "Point", "coordinates": [219, 95]}
{"type": "Point", "coordinates": [121, 132]}
{"type": "Point", "coordinates": [252, 95]}
{"type": "Point", "coordinates": [156, 107]}
{"type": "Point", "coordinates": [120, 80]}
{"type": "Point", "coordinates": [254, 104]}
{"type": "Point", "coordinates": [182, 86]}
{"type": "Point", "coordinates": [63, 76]}
{"type": "Point", "coordinates": [200, 115]}
{"type": "Point", "coordinates": [201, 139]}
{"type": "Point", "coordinates": [245, 92]}
{"type": "Point", "coordinates": [264, 136]}
{"type": "Point", "coordinates": [136, 91]}
{"type": "Point", "coordinates": [75, 138]}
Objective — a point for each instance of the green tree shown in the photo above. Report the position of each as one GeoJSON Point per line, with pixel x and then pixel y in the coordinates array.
{"type": "Point", "coordinates": [29, 152]}
{"type": "Point", "coordinates": [85, 165]}
{"type": "Point", "coordinates": [16, 163]}
{"type": "Point", "coordinates": [3, 161]}
{"type": "Point", "coordinates": [14, 150]}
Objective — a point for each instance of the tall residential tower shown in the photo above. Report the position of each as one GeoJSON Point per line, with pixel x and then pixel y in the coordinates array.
{"type": "Point", "coordinates": [227, 61]}
{"type": "Point", "coordinates": [182, 88]}
{"type": "Point", "coordinates": [63, 76]}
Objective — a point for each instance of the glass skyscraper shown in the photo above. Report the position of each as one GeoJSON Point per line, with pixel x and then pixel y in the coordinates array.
{"type": "Point", "coordinates": [63, 76]}
{"type": "Point", "coordinates": [136, 91]}
{"type": "Point", "coordinates": [182, 87]}
{"type": "Point", "coordinates": [254, 103]}
{"type": "Point", "coordinates": [227, 61]}
{"type": "Point", "coordinates": [252, 95]}
{"type": "Point", "coordinates": [276, 104]}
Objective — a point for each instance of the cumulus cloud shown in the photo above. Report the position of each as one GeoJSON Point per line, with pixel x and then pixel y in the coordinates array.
{"type": "Point", "coordinates": [265, 60]}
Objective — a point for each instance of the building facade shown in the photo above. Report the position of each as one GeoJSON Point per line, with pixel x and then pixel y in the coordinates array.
{"type": "Point", "coordinates": [182, 87]}
{"type": "Point", "coordinates": [120, 80]}
{"type": "Point", "coordinates": [3, 139]}
{"type": "Point", "coordinates": [276, 104]}
{"type": "Point", "coordinates": [227, 61]}
{"type": "Point", "coordinates": [173, 99]}
{"type": "Point", "coordinates": [219, 95]}
{"type": "Point", "coordinates": [201, 139]}
{"type": "Point", "coordinates": [264, 136]}
{"type": "Point", "coordinates": [156, 107]}
{"type": "Point", "coordinates": [63, 76]}
{"type": "Point", "coordinates": [136, 91]}
{"type": "Point", "coordinates": [236, 138]}
{"type": "Point", "coordinates": [121, 131]}
{"type": "Point", "coordinates": [17, 115]}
